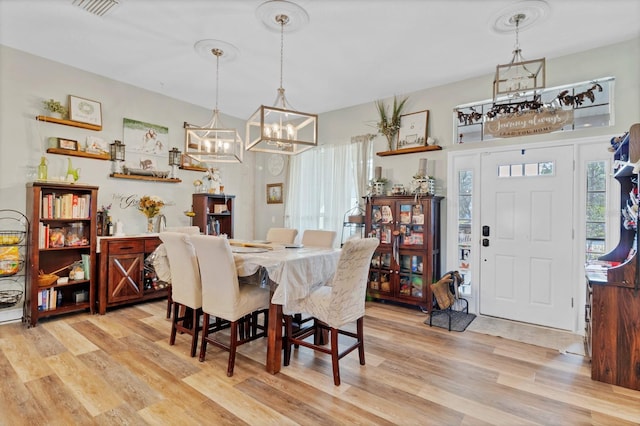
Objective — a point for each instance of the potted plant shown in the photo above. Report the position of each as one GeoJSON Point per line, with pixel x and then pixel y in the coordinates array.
{"type": "Point", "coordinates": [377, 185]}
{"type": "Point", "coordinates": [55, 107]}
{"type": "Point", "coordinates": [389, 124]}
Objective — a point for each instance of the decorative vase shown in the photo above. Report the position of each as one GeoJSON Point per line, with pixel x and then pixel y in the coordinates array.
{"type": "Point", "coordinates": [149, 225]}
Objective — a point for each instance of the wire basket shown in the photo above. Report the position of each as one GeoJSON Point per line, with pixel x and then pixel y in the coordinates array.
{"type": "Point", "coordinates": [10, 267]}
{"type": "Point", "coordinates": [11, 237]}
{"type": "Point", "coordinates": [9, 298]}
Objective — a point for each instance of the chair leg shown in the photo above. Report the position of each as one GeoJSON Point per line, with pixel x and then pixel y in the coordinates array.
{"type": "Point", "coordinates": [169, 301]}
{"type": "Point", "coordinates": [195, 327]}
{"type": "Point", "coordinates": [232, 348]}
{"type": "Point", "coordinates": [334, 355]}
{"type": "Point", "coordinates": [205, 334]}
{"type": "Point", "coordinates": [360, 337]}
{"type": "Point", "coordinates": [286, 341]}
{"type": "Point", "coordinates": [174, 330]}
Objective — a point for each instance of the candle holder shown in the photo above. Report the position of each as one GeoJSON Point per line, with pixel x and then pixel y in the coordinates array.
{"type": "Point", "coordinates": [175, 157]}
{"type": "Point", "coordinates": [116, 149]}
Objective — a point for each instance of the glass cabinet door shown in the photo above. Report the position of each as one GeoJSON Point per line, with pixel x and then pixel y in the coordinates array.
{"type": "Point", "coordinates": [411, 276]}
{"type": "Point", "coordinates": [411, 224]}
{"type": "Point", "coordinates": [380, 273]}
{"type": "Point", "coordinates": [382, 223]}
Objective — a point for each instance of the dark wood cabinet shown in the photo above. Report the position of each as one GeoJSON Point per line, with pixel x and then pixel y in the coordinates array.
{"type": "Point", "coordinates": [210, 209]}
{"type": "Point", "coordinates": [122, 273]}
{"type": "Point", "coordinates": [615, 303]}
{"type": "Point", "coordinates": [63, 245]}
{"type": "Point", "coordinates": [408, 258]}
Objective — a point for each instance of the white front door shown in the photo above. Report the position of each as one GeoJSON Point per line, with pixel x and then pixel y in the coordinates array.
{"type": "Point", "coordinates": [526, 252]}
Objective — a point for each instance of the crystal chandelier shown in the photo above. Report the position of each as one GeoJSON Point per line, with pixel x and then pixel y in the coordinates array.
{"type": "Point", "coordinates": [280, 129]}
{"type": "Point", "coordinates": [213, 143]}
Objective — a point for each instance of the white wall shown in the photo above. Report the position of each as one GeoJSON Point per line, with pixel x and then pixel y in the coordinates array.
{"type": "Point", "coordinates": [26, 80]}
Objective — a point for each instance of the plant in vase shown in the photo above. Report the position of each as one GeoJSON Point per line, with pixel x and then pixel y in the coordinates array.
{"type": "Point", "coordinates": [56, 108]}
{"type": "Point", "coordinates": [150, 206]}
{"type": "Point", "coordinates": [377, 185]}
{"type": "Point", "coordinates": [389, 124]}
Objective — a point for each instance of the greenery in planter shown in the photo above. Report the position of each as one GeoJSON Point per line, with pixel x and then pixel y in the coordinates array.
{"type": "Point", "coordinates": [389, 124]}
{"type": "Point", "coordinates": [56, 107]}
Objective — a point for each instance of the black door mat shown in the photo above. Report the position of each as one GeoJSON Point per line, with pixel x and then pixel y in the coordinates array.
{"type": "Point", "coordinates": [459, 320]}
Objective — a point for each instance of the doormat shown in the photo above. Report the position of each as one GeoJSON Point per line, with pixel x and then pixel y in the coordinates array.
{"type": "Point", "coordinates": [459, 320]}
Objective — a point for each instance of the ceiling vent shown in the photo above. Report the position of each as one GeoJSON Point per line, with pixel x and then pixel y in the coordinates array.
{"type": "Point", "coordinates": [97, 7]}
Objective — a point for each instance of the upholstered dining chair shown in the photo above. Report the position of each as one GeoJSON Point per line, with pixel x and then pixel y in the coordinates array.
{"type": "Point", "coordinates": [318, 238]}
{"type": "Point", "coordinates": [282, 235]}
{"type": "Point", "coordinates": [336, 304]}
{"type": "Point", "coordinates": [191, 230]}
{"type": "Point", "coordinates": [224, 298]}
{"type": "Point", "coordinates": [186, 287]}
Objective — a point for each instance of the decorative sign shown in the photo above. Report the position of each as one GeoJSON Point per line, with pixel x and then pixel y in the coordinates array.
{"type": "Point", "coordinates": [528, 123]}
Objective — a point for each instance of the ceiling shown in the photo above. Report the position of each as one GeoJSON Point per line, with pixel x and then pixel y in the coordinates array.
{"type": "Point", "coordinates": [350, 52]}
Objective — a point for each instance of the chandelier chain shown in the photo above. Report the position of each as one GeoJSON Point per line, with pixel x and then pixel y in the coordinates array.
{"type": "Point", "coordinates": [217, 76]}
{"type": "Point", "coordinates": [283, 20]}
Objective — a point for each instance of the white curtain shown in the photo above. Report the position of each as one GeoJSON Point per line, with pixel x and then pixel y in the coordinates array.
{"type": "Point", "coordinates": [325, 185]}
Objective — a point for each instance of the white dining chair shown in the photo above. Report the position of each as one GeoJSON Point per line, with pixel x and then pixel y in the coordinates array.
{"type": "Point", "coordinates": [282, 235]}
{"type": "Point", "coordinates": [224, 298]}
{"type": "Point", "coordinates": [336, 304]}
{"type": "Point", "coordinates": [186, 287]}
{"type": "Point", "coordinates": [161, 265]}
{"type": "Point", "coordinates": [318, 238]}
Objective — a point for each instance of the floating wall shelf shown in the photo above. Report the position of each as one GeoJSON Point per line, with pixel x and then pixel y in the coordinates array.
{"type": "Point", "coordinates": [193, 168]}
{"type": "Point", "coordinates": [68, 122]}
{"type": "Point", "coordinates": [73, 153]}
{"type": "Point", "coordinates": [138, 177]}
{"type": "Point", "coordinates": [410, 150]}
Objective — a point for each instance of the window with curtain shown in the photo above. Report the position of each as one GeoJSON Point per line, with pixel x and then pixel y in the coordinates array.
{"type": "Point", "coordinates": [326, 182]}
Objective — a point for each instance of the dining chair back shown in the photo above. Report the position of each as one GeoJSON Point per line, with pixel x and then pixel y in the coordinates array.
{"type": "Point", "coordinates": [318, 238]}
{"type": "Point", "coordinates": [282, 235]}
{"type": "Point", "coordinates": [186, 287]}
{"type": "Point", "coordinates": [160, 266]}
{"type": "Point", "coordinates": [224, 298]}
{"type": "Point", "coordinates": [336, 304]}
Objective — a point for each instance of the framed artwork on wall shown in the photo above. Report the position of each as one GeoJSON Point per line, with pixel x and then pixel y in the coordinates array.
{"type": "Point", "coordinates": [274, 193]}
{"type": "Point", "coordinates": [67, 144]}
{"type": "Point", "coordinates": [413, 130]}
{"type": "Point", "coordinates": [85, 110]}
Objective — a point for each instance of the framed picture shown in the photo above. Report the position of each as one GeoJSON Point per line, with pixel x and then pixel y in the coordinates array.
{"type": "Point", "coordinates": [274, 193]}
{"type": "Point", "coordinates": [413, 130]}
{"type": "Point", "coordinates": [67, 144]}
{"type": "Point", "coordinates": [85, 110]}
{"type": "Point", "coordinates": [145, 138]}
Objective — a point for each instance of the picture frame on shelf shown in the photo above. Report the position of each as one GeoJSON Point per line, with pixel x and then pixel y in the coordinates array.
{"type": "Point", "coordinates": [68, 144]}
{"type": "Point", "coordinates": [85, 110]}
{"type": "Point", "coordinates": [413, 130]}
{"type": "Point", "coordinates": [274, 193]}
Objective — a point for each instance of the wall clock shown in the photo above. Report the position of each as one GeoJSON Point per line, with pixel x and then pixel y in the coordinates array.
{"type": "Point", "coordinates": [275, 164]}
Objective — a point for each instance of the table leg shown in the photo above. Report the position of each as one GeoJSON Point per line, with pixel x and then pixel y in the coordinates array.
{"type": "Point", "coordinates": [274, 339]}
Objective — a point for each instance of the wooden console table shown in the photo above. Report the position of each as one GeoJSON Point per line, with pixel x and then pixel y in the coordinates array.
{"type": "Point", "coordinates": [121, 270]}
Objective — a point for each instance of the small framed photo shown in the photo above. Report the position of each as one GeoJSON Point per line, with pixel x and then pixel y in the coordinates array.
{"type": "Point", "coordinates": [68, 144]}
{"type": "Point", "coordinates": [413, 130]}
{"type": "Point", "coordinates": [274, 193]}
{"type": "Point", "coordinates": [85, 111]}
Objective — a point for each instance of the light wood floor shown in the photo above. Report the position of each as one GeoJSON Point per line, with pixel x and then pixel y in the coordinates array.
{"type": "Point", "coordinates": [119, 369]}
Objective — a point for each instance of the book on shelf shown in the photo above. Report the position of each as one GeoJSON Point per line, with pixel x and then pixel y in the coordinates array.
{"type": "Point", "coordinates": [65, 206]}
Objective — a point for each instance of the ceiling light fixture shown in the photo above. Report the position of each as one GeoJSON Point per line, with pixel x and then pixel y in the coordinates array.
{"type": "Point", "coordinates": [518, 77]}
{"type": "Point", "coordinates": [97, 7]}
{"type": "Point", "coordinates": [280, 129]}
{"type": "Point", "coordinates": [212, 143]}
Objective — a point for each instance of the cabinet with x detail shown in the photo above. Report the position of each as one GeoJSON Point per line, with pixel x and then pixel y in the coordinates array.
{"type": "Point", "coordinates": [122, 271]}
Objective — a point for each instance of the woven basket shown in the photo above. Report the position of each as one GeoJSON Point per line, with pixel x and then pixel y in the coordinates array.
{"type": "Point", "coordinates": [47, 279]}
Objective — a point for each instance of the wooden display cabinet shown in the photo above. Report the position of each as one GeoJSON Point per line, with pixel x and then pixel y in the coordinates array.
{"type": "Point", "coordinates": [121, 269]}
{"type": "Point", "coordinates": [63, 234]}
{"type": "Point", "coordinates": [209, 208]}
{"type": "Point", "coordinates": [408, 258]}
{"type": "Point", "coordinates": [615, 303]}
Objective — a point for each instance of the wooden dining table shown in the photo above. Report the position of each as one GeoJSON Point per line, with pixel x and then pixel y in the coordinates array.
{"type": "Point", "coordinates": [292, 274]}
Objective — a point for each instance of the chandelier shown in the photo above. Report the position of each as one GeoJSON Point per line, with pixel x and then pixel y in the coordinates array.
{"type": "Point", "coordinates": [213, 143]}
{"type": "Point", "coordinates": [519, 77]}
{"type": "Point", "coordinates": [279, 128]}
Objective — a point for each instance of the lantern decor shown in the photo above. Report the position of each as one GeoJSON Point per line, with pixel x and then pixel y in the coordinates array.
{"type": "Point", "coordinates": [175, 157]}
{"type": "Point", "coordinates": [116, 149]}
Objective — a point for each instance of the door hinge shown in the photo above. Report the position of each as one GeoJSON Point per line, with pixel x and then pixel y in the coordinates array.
{"type": "Point", "coordinates": [572, 302]}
